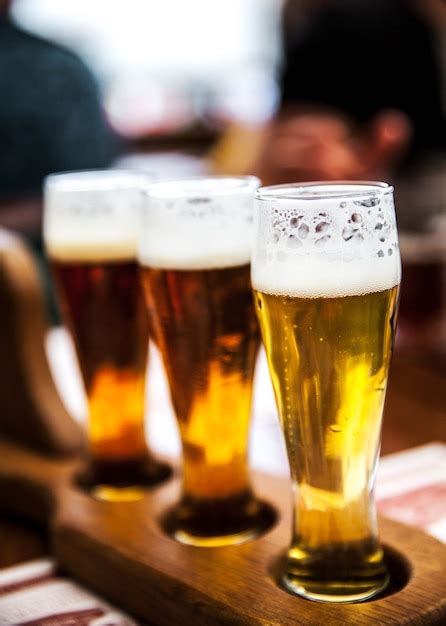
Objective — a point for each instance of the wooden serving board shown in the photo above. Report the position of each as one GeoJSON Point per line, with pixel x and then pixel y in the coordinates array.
{"type": "Point", "coordinates": [119, 550]}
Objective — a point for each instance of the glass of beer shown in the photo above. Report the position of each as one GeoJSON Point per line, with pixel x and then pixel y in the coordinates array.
{"type": "Point", "coordinates": [91, 223]}
{"type": "Point", "coordinates": [195, 254]}
{"type": "Point", "coordinates": [326, 271]}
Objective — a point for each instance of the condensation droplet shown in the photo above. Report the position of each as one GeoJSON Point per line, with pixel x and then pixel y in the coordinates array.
{"type": "Point", "coordinates": [356, 218]}
{"type": "Point", "coordinates": [347, 233]}
{"type": "Point", "coordinates": [367, 202]}
{"type": "Point", "coordinates": [378, 227]}
{"type": "Point", "coordinates": [322, 241]}
{"type": "Point", "coordinates": [322, 227]}
{"type": "Point", "coordinates": [390, 251]}
{"type": "Point", "coordinates": [293, 242]}
{"type": "Point", "coordinates": [380, 253]}
{"type": "Point", "coordinates": [275, 235]}
{"type": "Point", "coordinates": [303, 231]}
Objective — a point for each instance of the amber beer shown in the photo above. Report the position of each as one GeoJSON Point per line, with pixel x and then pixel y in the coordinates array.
{"type": "Point", "coordinates": [196, 279]}
{"type": "Point", "coordinates": [328, 323]}
{"type": "Point", "coordinates": [90, 232]}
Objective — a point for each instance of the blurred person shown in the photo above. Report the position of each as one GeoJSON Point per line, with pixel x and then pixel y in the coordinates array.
{"type": "Point", "coordinates": [361, 90]}
{"type": "Point", "coordinates": [50, 120]}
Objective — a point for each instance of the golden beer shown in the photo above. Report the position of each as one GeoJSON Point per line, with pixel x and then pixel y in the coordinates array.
{"type": "Point", "coordinates": [329, 360]}
{"type": "Point", "coordinates": [204, 323]}
{"type": "Point", "coordinates": [328, 330]}
{"type": "Point", "coordinates": [97, 279]}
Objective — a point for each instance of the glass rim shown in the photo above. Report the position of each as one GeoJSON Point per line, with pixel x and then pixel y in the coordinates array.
{"type": "Point", "coordinates": [196, 186]}
{"type": "Point", "coordinates": [95, 179]}
{"type": "Point", "coordinates": [324, 190]}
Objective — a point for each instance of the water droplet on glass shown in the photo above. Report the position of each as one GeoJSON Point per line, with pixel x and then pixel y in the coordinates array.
{"type": "Point", "coordinates": [356, 218]}
{"type": "Point", "coordinates": [275, 235]}
{"type": "Point", "coordinates": [293, 242]}
{"type": "Point", "coordinates": [390, 251]}
{"type": "Point", "coordinates": [347, 233]}
{"type": "Point", "coordinates": [320, 243]}
{"type": "Point", "coordinates": [302, 231]}
{"type": "Point", "coordinates": [380, 253]}
{"type": "Point", "coordinates": [367, 202]}
{"type": "Point", "coordinates": [322, 227]}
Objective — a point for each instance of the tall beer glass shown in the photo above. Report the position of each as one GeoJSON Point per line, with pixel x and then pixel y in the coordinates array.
{"type": "Point", "coordinates": [326, 270]}
{"type": "Point", "coordinates": [195, 252]}
{"type": "Point", "coordinates": [91, 223]}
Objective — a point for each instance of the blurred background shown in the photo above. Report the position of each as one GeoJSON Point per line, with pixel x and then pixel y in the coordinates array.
{"type": "Point", "coordinates": [288, 90]}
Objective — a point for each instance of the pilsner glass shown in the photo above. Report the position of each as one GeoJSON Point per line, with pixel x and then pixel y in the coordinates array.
{"type": "Point", "coordinates": [326, 273]}
{"type": "Point", "coordinates": [91, 222]}
{"type": "Point", "coordinates": [195, 252]}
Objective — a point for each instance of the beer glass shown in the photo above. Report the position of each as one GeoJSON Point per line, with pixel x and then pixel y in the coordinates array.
{"type": "Point", "coordinates": [326, 272]}
{"type": "Point", "coordinates": [195, 253]}
{"type": "Point", "coordinates": [91, 221]}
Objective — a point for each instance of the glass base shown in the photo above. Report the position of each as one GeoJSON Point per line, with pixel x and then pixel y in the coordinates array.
{"type": "Point", "coordinates": [342, 574]}
{"type": "Point", "coordinates": [214, 523]}
{"type": "Point", "coordinates": [124, 480]}
{"type": "Point", "coordinates": [334, 591]}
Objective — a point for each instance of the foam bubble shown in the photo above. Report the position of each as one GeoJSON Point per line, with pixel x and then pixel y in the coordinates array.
{"type": "Point", "coordinates": [93, 216]}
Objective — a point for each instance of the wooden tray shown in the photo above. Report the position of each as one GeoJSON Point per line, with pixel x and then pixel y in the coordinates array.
{"type": "Point", "coordinates": [120, 551]}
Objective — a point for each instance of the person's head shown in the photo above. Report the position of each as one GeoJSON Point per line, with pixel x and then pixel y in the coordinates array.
{"type": "Point", "coordinates": [5, 5]}
{"type": "Point", "coordinates": [434, 11]}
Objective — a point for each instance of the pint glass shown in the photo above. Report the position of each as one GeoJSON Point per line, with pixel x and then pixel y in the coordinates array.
{"type": "Point", "coordinates": [91, 222]}
{"type": "Point", "coordinates": [195, 255]}
{"type": "Point", "coordinates": [326, 273]}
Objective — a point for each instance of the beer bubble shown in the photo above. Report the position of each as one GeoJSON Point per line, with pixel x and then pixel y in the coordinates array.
{"type": "Point", "coordinates": [294, 222]}
{"type": "Point", "coordinates": [356, 218]}
{"type": "Point", "coordinates": [390, 251]}
{"type": "Point", "coordinates": [380, 253]}
{"type": "Point", "coordinates": [343, 205]}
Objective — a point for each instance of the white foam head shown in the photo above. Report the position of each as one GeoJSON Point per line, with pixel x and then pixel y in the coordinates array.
{"type": "Point", "coordinates": [325, 239]}
{"type": "Point", "coordinates": [198, 223]}
{"type": "Point", "coordinates": [93, 215]}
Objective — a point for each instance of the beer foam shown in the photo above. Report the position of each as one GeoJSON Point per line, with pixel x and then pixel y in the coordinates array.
{"type": "Point", "coordinates": [329, 240]}
{"type": "Point", "coordinates": [202, 223]}
{"type": "Point", "coordinates": [93, 216]}
{"type": "Point", "coordinates": [315, 278]}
